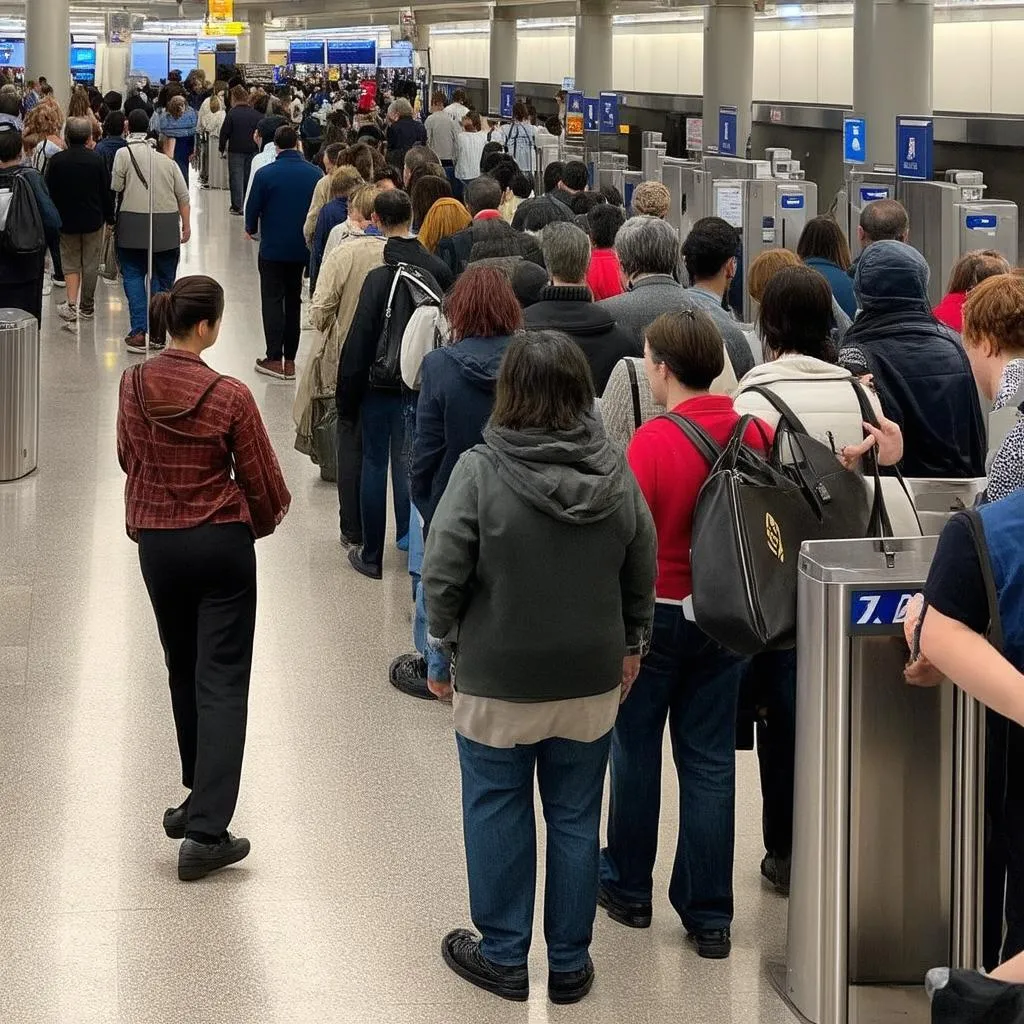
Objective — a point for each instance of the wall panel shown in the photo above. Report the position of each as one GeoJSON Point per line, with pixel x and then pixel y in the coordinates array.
{"type": "Point", "coordinates": [798, 66]}
{"type": "Point", "coordinates": [962, 66]}
{"type": "Point", "coordinates": [767, 72]}
{"type": "Point", "coordinates": [1007, 47]}
{"type": "Point", "coordinates": [835, 65]}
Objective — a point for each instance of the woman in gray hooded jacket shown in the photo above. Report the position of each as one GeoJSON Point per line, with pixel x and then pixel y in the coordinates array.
{"type": "Point", "coordinates": [540, 565]}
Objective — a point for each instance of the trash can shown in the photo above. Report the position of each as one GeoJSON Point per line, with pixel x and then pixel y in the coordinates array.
{"type": "Point", "coordinates": [19, 393]}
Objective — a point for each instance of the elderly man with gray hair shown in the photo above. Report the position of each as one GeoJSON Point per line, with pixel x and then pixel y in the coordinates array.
{"type": "Point", "coordinates": [79, 185]}
{"type": "Point", "coordinates": [567, 304]}
{"type": "Point", "coordinates": [404, 132]}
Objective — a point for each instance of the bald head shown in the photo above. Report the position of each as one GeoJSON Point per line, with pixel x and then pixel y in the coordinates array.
{"type": "Point", "coordinates": [884, 220]}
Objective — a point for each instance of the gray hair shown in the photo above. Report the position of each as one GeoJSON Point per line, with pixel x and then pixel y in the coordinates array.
{"type": "Point", "coordinates": [400, 108]}
{"type": "Point", "coordinates": [566, 252]}
{"type": "Point", "coordinates": [647, 245]}
{"type": "Point", "coordinates": [78, 131]}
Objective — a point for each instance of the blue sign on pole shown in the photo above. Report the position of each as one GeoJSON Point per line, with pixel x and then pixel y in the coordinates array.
{"type": "Point", "coordinates": [591, 122]}
{"type": "Point", "coordinates": [574, 115]}
{"type": "Point", "coordinates": [914, 139]}
{"type": "Point", "coordinates": [609, 113]}
{"type": "Point", "coordinates": [728, 126]}
{"type": "Point", "coordinates": [508, 98]}
{"type": "Point", "coordinates": [855, 140]}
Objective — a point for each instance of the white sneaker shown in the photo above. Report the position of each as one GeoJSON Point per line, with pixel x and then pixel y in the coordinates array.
{"type": "Point", "coordinates": [68, 311]}
{"type": "Point", "coordinates": [86, 315]}
{"type": "Point", "coordinates": [47, 283]}
{"type": "Point", "coordinates": [60, 282]}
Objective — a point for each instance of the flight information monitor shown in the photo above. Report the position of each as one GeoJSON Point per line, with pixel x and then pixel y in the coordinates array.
{"type": "Point", "coordinates": [183, 54]}
{"type": "Point", "coordinates": [83, 56]}
{"type": "Point", "coordinates": [351, 51]}
{"type": "Point", "coordinates": [306, 51]}
{"type": "Point", "coordinates": [12, 53]}
{"type": "Point", "coordinates": [149, 58]}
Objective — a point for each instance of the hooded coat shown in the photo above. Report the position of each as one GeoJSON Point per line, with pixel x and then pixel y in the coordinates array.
{"type": "Point", "coordinates": [919, 367]}
{"type": "Point", "coordinates": [541, 555]}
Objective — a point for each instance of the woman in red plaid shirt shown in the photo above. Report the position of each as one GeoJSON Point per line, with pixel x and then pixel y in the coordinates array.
{"type": "Point", "coordinates": [203, 485]}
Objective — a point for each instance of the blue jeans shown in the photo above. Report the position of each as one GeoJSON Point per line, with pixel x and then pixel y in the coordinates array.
{"type": "Point", "coordinates": [501, 845]}
{"type": "Point", "coordinates": [134, 266]}
{"type": "Point", "coordinates": [691, 682]}
{"type": "Point", "coordinates": [239, 169]}
{"type": "Point", "coordinates": [383, 422]}
{"type": "Point", "coordinates": [438, 664]}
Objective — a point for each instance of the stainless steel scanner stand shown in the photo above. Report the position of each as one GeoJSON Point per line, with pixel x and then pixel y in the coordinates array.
{"type": "Point", "coordinates": [887, 837]}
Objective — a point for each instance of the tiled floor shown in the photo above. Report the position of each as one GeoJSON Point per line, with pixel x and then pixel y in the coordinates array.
{"type": "Point", "coordinates": [350, 793]}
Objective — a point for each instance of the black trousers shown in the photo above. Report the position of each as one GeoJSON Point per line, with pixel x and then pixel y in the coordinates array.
{"type": "Point", "coordinates": [202, 583]}
{"type": "Point", "coordinates": [281, 298]}
{"type": "Point", "coordinates": [27, 295]}
{"type": "Point", "coordinates": [350, 472]}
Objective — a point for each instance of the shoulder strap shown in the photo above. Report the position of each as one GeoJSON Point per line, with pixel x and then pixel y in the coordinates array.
{"type": "Point", "coordinates": [634, 387]}
{"type": "Point", "coordinates": [698, 437]}
{"type": "Point", "coordinates": [779, 406]}
{"type": "Point", "coordinates": [135, 164]}
{"type": "Point", "coordinates": [995, 625]}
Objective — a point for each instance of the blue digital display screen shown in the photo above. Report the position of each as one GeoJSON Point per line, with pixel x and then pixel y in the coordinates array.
{"type": "Point", "coordinates": [981, 222]}
{"type": "Point", "coordinates": [12, 53]}
{"type": "Point", "coordinates": [183, 54]}
{"type": "Point", "coordinates": [872, 195]}
{"type": "Point", "coordinates": [879, 611]}
{"type": "Point", "coordinates": [306, 51]}
{"type": "Point", "coordinates": [791, 202]}
{"type": "Point", "coordinates": [83, 55]}
{"type": "Point", "coordinates": [396, 57]}
{"type": "Point", "coordinates": [149, 58]}
{"type": "Point", "coordinates": [351, 51]}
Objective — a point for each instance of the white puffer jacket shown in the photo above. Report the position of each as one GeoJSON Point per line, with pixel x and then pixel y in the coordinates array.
{"type": "Point", "coordinates": [821, 395]}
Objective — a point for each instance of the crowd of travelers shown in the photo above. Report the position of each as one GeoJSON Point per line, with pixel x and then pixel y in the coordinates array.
{"type": "Point", "coordinates": [540, 373]}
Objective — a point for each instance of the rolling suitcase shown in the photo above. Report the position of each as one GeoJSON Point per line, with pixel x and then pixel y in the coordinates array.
{"type": "Point", "coordinates": [202, 157]}
{"type": "Point", "coordinates": [217, 167]}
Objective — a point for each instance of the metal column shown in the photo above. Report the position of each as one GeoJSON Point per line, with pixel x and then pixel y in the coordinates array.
{"type": "Point", "coordinates": [47, 35]}
{"type": "Point", "coordinates": [728, 68]}
{"type": "Point", "coordinates": [504, 53]}
{"type": "Point", "coordinates": [594, 46]}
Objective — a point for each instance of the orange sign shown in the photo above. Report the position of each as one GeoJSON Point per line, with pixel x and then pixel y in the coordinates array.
{"type": "Point", "coordinates": [220, 10]}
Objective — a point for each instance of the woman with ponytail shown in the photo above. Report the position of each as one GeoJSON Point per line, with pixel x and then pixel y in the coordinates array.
{"type": "Point", "coordinates": [203, 485]}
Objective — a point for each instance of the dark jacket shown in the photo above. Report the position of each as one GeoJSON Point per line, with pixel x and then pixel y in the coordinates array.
{"type": "Point", "coordinates": [920, 369]}
{"type": "Point", "coordinates": [331, 215]}
{"type": "Point", "coordinates": [839, 281]}
{"type": "Point", "coordinates": [360, 347]}
{"type": "Point", "coordinates": [402, 135]}
{"type": "Point", "coordinates": [278, 204]}
{"type": "Point", "coordinates": [574, 312]}
{"type": "Point", "coordinates": [79, 185]}
{"type": "Point", "coordinates": [456, 398]}
{"type": "Point", "coordinates": [108, 146]}
{"type": "Point", "coordinates": [490, 238]}
{"type": "Point", "coordinates": [542, 555]}
{"type": "Point", "coordinates": [236, 133]}
{"type": "Point", "coordinates": [16, 269]}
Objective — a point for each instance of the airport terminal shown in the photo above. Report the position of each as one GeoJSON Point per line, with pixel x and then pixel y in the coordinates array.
{"type": "Point", "coordinates": [511, 512]}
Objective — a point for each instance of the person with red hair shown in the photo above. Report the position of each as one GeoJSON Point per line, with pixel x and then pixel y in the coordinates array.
{"type": "Point", "coordinates": [456, 397]}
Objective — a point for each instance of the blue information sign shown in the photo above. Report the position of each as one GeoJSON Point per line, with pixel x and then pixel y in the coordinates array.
{"type": "Point", "coordinates": [872, 195]}
{"type": "Point", "coordinates": [728, 126]}
{"type": "Point", "coordinates": [609, 113]}
{"type": "Point", "coordinates": [981, 222]}
{"type": "Point", "coordinates": [574, 115]}
{"type": "Point", "coordinates": [352, 51]}
{"type": "Point", "coordinates": [855, 140]}
{"type": "Point", "coordinates": [879, 611]}
{"type": "Point", "coordinates": [791, 202]}
{"type": "Point", "coordinates": [306, 51]}
{"type": "Point", "coordinates": [591, 122]}
{"type": "Point", "coordinates": [508, 98]}
{"type": "Point", "coordinates": [914, 138]}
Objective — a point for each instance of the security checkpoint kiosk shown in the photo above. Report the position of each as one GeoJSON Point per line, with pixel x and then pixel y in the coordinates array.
{"type": "Point", "coordinates": [888, 830]}
{"type": "Point", "coordinates": [864, 187]}
{"type": "Point", "coordinates": [952, 217]}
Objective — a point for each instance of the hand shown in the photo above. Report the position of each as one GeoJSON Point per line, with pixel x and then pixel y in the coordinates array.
{"type": "Point", "coordinates": [630, 670]}
{"type": "Point", "coordinates": [251, 239]}
{"type": "Point", "coordinates": [442, 691]}
{"type": "Point", "coordinates": [920, 672]}
{"type": "Point", "coordinates": [186, 234]}
{"type": "Point", "coordinates": [887, 436]}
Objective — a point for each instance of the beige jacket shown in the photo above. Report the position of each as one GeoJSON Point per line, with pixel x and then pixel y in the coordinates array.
{"type": "Point", "coordinates": [321, 196]}
{"type": "Point", "coordinates": [331, 310]}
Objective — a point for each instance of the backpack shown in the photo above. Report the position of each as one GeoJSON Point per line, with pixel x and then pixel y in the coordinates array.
{"type": "Point", "coordinates": [21, 224]}
{"type": "Point", "coordinates": [411, 289]}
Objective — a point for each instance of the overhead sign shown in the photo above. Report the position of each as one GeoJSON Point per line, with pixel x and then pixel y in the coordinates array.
{"type": "Point", "coordinates": [352, 51]}
{"type": "Point", "coordinates": [914, 140]}
{"type": "Point", "coordinates": [609, 113]}
{"type": "Point", "coordinates": [183, 54]}
{"type": "Point", "coordinates": [574, 116]}
{"type": "Point", "coordinates": [728, 126]}
{"type": "Point", "coordinates": [306, 51]}
{"type": "Point", "coordinates": [227, 28]}
{"type": "Point", "coordinates": [591, 121]}
{"type": "Point", "coordinates": [568, 83]}
{"type": "Point", "coordinates": [695, 134]}
{"type": "Point", "coordinates": [220, 10]}
{"type": "Point", "coordinates": [508, 98]}
{"type": "Point", "coordinates": [855, 140]}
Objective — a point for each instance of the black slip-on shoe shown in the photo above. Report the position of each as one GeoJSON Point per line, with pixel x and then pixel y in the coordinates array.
{"type": "Point", "coordinates": [350, 542]}
{"type": "Point", "coordinates": [197, 860]}
{"type": "Point", "coordinates": [570, 986]}
{"type": "Point", "coordinates": [408, 674]}
{"type": "Point", "coordinates": [775, 871]}
{"type": "Point", "coordinates": [175, 821]}
{"type": "Point", "coordinates": [632, 915]}
{"type": "Point", "coordinates": [713, 944]}
{"type": "Point", "coordinates": [355, 559]}
{"type": "Point", "coordinates": [461, 952]}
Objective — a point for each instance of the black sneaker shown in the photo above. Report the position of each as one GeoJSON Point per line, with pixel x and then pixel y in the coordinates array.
{"type": "Point", "coordinates": [408, 673]}
{"type": "Point", "coordinates": [461, 952]}
{"type": "Point", "coordinates": [175, 820]}
{"type": "Point", "coordinates": [775, 871]}
{"type": "Point", "coordinates": [355, 558]}
{"type": "Point", "coordinates": [350, 542]}
{"type": "Point", "coordinates": [713, 944]}
{"type": "Point", "coordinates": [234, 212]}
{"type": "Point", "coordinates": [570, 986]}
{"type": "Point", "coordinates": [197, 860]}
{"type": "Point", "coordinates": [632, 915]}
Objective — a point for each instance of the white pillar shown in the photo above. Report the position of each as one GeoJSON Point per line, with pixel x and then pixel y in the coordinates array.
{"type": "Point", "coordinates": [728, 68]}
{"type": "Point", "coordinates": [892, 68]}
{"type": "Point", "coordinates": [593, 71]}
{"type": "Point", "coordinates": [48, 41]}
{"type": "Point", "coordinates": [257, 35]}
{"type": "Point", "coordinates": [504, 54]}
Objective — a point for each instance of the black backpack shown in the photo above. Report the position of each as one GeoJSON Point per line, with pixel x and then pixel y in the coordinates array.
{"type": "Point", "coordinates": [411, 288]}
{"type": "Point", "coordinates": [21, 223]}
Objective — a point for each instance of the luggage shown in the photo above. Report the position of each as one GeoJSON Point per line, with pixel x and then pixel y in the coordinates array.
{"type": "Point", "coordinates": [108, 256]}
{"type": "Point", "coordinates": [325, 437]}
{"type": "Point", "coordinates": [217, 166]}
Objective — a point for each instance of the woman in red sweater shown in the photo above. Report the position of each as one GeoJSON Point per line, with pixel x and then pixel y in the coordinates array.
{"type": "Point", "coordinates": [203, 484]}
{"type": "Point", "coordinates": [686, 679]}
{"type": "Point", "coordinates": [605, 275]}
{"type": "Point", "coordinates": [968, 272]}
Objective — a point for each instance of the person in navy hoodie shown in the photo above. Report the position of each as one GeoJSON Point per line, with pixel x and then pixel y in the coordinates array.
{"type": "Point", "coordinates": [276, 210]}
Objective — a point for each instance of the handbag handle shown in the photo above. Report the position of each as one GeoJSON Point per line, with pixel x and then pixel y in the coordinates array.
{"type": "Point", "coordinates": [698, 437]}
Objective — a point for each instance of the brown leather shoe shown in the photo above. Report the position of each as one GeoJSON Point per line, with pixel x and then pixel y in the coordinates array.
{"type": "Point", "coordinates": [289, 369]}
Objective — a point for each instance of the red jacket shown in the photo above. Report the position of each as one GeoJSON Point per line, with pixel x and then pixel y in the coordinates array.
{"type": "Point", "coordinates": [605, 274]}
{"type": "Point", "coordinates": [671, 472]}
{"type": "Point", "coordinates": [950, 311]}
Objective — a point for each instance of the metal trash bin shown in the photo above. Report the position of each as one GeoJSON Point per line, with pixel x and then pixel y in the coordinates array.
{"type": "Point", "coordinates": [889, 798]}
{"type": "Point", "coordinates": [19, 393]}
